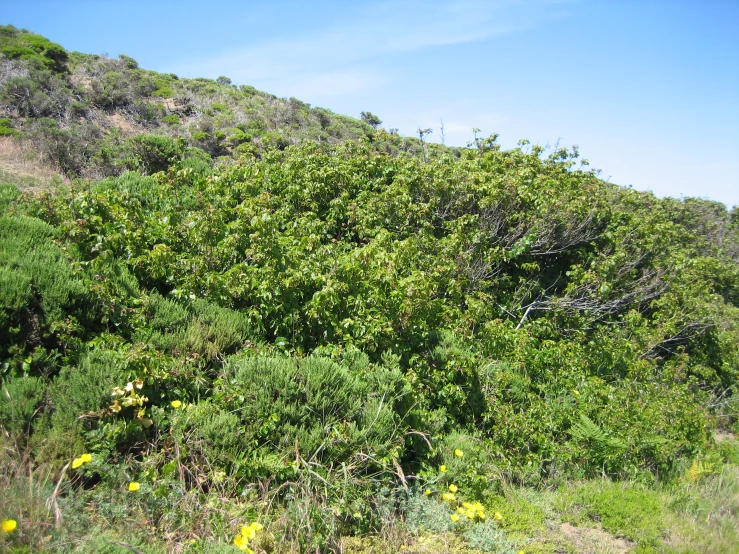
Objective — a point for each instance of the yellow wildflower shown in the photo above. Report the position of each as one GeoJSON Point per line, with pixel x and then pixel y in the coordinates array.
{"type": "Point", "coordinates": [243, 544]}
{"type": "Point", "coordinates": [454, 517]}
{"type": "Point", "coordinates": [458, 453]}
{"type": "Point", "coordinates": [248, 532]}
{"type": "Point", "coordinates": [468, 506]}
{"type": "Point", "coordinates": [256, 526]}
{"type": "Point", "coordinates": [133, 486]}
{"type": "Point", "coordinates": [498, 516]}
{"type": "Point", "coordinates": [453, 488]}
{"type": "Point", "coordinates": [449, 497]}
{"type": "Point", "coordinates": [9, 525]}
{"type": "Point", "coordinates": [77, 462]}
{"type": "Point", "coordinates": [428, 492]}
{"type": "Point", "coordinates": [460, 510]}
{"type": "Point", "coordinates": [86, 458]}
{"type": "Point", "coordinates": [115, 407]}
{"type": "Point", "coordinates": [575, 392]}
{"type": "Point", "coordinates": [442, 469]}
{"type": "Point", "coordinates": [175, 404]}
{"type": "Point", "coordinates": [470, 514]}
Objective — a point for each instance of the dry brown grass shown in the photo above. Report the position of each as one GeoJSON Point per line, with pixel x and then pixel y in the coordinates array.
{"type": "Point", "coordinates": [22, 166]}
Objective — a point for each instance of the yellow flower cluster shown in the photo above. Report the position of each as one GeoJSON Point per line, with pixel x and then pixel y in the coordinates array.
{"type": "Point", "coordinates": [9, 525]}
{"type": "Point", "coordinates": [248, 532]}
{"type": "Point", "coordinates": [79, 462]}
{"type": "Point", "coordinates": [133, 486]}
{"type": "Point", "coordinates": [470, 510]}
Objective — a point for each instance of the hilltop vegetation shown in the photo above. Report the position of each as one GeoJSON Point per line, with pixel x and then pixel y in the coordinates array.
{"type": "Point", "coordinates": [346, 333]}
{"type": "Point", "coordinates": [96, 116]}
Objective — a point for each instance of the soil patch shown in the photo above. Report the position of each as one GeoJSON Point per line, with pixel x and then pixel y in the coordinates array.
{"type": "Point", "coordinates": [589, 540]}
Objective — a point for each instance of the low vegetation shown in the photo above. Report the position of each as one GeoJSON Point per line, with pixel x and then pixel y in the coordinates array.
{"type": "Point", "coordinates": [337, 343]}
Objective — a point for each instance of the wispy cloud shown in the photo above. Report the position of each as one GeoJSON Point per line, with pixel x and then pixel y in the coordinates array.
{"type": "Point", "coordinates": [323, 63]}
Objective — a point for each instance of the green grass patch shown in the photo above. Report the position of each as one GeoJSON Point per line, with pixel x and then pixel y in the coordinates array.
{"type": "Point", "coordinates": [624, 510]}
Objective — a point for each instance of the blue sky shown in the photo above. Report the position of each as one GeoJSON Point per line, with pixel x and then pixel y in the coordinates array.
{"type": "Point", "coordinates": [648, 89]}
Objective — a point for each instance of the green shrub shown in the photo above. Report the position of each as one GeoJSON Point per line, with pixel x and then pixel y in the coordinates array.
{"type": "Point", "coordinates": [39, 51]}
{"type": "Point", "coordinates": [8, 195]}
{"type": "Point", "coordinates": [197, 161]}
{"type": "Point", "coordinates": [152, 153]}
{"type": "Point", "coordinates": [86, 388]}
{"type": "Point", "coordinates": [214, 438]}
{"type": "Point", "coordinates": [143, 188]}
{"type": "Point", "coordinates": [42, 300]}
{"type": "Point", "coordinates": [487, 536]}
{"type": "Point", "coordinates": [318, 410]}
{"type": "Point", "coordinates": [128, 61]}
{"type": "Point", "coordinates": [163, 92]}
{"type": "Point", "coordinates": [196, 327]}
{"type": "Point", "coordinates": [6, 127]}
{"type": "Point", "coordinates": [172, 119]}
{"type": "Point", "coordinates": [426, 514]}
{"type": "Point", "coordinates": [21, 400]}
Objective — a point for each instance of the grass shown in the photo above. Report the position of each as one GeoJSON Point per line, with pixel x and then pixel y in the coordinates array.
{"type": "Point", "coordinates": [21, 166]}
{"type": "Point", "coordinates": [60, 512]}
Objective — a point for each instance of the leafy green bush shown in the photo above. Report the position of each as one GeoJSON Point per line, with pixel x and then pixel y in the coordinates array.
{"type": "Point", "coordinates": [318, 325]}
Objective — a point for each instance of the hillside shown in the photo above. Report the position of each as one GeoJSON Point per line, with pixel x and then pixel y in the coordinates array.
{"type": "Point", "coordinates": [82, 113]}
{"type": "Point", "coordinates": [248, 327]}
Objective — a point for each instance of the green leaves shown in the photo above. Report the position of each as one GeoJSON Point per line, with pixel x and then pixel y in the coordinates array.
{"type": "Point", "coordinates": [500, 282]}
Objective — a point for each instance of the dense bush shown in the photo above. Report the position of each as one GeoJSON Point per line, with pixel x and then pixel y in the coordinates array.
{"type": "Point", "coordinates": [572, 327]}
{"type": "Point", "coordinates": [44, 304]}
{"type": "Point", "coordinates": [34, 49]}
{"type": "Point", "coordinates": [322, 328]}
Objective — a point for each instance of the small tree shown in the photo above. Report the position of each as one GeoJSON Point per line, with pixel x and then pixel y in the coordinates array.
{"type": "Point", "coordinates": [371, 119]}
{"type": "Point", "coordinates": [223, 80]}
